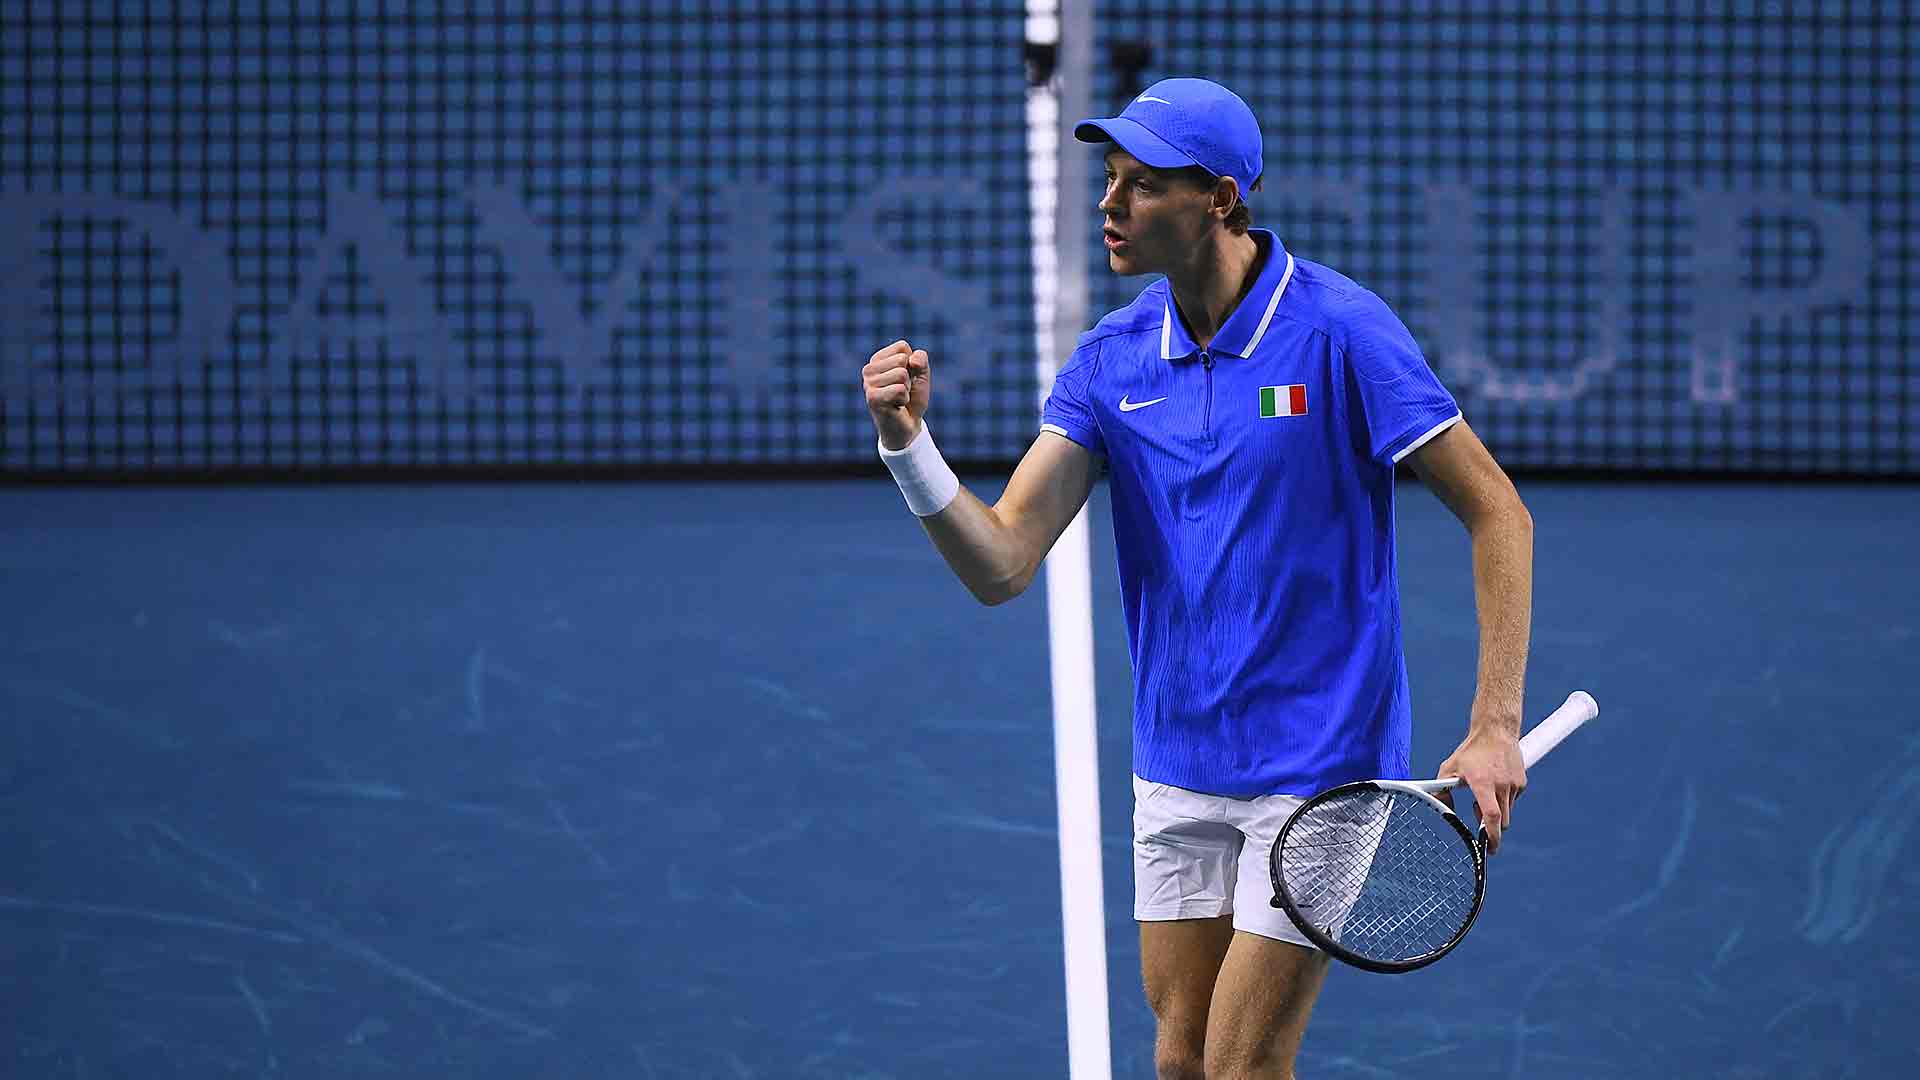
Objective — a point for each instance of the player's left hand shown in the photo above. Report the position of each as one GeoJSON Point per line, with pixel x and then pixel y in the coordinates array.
{"type": "Point", "coordinates": [1488, 762]}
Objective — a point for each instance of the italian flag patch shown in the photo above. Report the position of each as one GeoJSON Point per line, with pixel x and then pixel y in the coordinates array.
{"type": "Point", "coordinates": [1283, 401]}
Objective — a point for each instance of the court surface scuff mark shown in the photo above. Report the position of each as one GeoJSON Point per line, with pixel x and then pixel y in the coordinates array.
{"type": "Point", "coordinates": [1850, 867]}
{"type": "Point", "coordinates": [1670, 865]}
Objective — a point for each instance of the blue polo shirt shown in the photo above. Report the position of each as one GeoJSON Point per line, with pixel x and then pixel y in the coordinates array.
{"type": "Point", "coordinates": [1252, 490]}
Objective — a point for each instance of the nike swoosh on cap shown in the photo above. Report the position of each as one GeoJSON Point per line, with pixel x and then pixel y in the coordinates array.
{"type": "Point", "coordinates": [1129, 406]}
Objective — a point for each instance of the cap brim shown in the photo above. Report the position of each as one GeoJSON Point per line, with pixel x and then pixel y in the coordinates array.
{"type": "Point", "coordinates": [1151, 149]}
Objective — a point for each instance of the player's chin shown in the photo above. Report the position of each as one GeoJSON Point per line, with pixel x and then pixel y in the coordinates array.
{"type": "Point", "coordinates": [1125, 263]}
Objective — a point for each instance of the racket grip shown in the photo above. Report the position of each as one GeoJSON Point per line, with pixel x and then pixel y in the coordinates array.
{"type": "Point", "coordinates": [1578, 709]}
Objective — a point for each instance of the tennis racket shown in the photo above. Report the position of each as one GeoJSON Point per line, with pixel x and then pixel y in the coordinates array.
{"type": "Point", "coordinates": [1383, 875]}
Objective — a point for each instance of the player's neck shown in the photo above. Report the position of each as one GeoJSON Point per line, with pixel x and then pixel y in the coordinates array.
{"type": "Point", "coordinates": [1213, 284]}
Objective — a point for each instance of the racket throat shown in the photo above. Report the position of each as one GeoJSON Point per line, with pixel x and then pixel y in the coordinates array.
{"type": "Point", "coordinates": [1423, 790]}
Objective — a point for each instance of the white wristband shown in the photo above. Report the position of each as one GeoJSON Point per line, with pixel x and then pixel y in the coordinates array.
{"type": "Point", "coordinates": [923, 475]}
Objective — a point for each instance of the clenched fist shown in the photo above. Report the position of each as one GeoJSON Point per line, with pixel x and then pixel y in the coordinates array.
{"type": "Point", "coordinates": [898, 387]}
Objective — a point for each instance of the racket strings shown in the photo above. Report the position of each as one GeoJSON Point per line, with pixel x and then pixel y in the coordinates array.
{"type": "Point", "coordinates": [1380, 873]}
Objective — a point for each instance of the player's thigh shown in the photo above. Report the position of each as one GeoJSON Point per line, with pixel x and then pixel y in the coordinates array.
{"type": "Point", "coordinates": [1262, 999]}
{"type": "Point", "coordinates": [1186, 857]}
{"type": "Point", "coordinates": [1179, 961]}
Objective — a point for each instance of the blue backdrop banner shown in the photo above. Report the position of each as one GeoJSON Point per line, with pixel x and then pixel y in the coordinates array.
{"type": "Point", "coordinates": [666, 233]}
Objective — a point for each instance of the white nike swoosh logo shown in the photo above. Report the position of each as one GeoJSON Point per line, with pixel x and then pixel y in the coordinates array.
{"type": "Point", "coordinates": [1161, 100]}
{"type": "Point", "coordinates": [1129, 406]}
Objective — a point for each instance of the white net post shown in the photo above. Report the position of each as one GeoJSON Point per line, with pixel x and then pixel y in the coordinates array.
{"type": "Point", "coordinates": [1057, 175]}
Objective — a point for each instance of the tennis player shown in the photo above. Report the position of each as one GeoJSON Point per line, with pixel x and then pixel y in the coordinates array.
{"type": "Point", "coordinates": [1250, 407]}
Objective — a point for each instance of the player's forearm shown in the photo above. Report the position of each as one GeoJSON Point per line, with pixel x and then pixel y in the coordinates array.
{"type": "Point", "coordinates": [989, 557]}
{"type": "Point", "coordinates": [1503, 596]}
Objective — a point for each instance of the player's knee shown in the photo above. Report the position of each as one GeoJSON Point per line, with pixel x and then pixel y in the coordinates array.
{"type": "Point", "coordinates": [1178, 1061]}
{"type": "Point", "coordinates": [1179, 1046]}
{"type": "Point", "coordinates": [1179, 1043]}
{"type": "Point", "coordinates": [1180, 1012]}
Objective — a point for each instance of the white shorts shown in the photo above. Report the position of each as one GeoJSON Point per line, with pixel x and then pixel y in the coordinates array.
{"type": "Point", "coordinates": [1198, 856]}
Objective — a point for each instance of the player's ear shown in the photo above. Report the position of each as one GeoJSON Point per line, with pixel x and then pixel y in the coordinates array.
{"type": "Point", "coordinates": [1226, 196]}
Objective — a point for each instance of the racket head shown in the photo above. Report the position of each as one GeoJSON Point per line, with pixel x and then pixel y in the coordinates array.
{"type": "Point", "coordinates": [1380, 876]}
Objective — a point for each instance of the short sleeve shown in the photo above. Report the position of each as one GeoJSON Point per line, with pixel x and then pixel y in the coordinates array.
{"type": "Point", "coordinates": [1067, 411]}
{"type": "Point", "coordinates": [1402, 404]}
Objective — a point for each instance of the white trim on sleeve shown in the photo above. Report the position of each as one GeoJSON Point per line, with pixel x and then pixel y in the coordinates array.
{"type": "Point", "coordinates": [1056, 429]}
{"type": "Point", "coordinates": [1424, 439]}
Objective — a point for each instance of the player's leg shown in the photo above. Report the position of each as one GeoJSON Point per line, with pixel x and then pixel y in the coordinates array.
{"type": "Point", "coordinates": [1185, 861]}
{"type": "Point", "coordinates": [1261, 1003]}
{"type": "Point", "coordinates": [1179, 963]}
{"type": "Point", "coordinates": [1270, 976]}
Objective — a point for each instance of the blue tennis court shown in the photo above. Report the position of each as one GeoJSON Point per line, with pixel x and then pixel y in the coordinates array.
{"type": "Point", "coordinates": [730, 780]}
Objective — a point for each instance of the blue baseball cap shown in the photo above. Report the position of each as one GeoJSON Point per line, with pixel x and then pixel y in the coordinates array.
{"type": "Point", "coordinates": [1176, 123]}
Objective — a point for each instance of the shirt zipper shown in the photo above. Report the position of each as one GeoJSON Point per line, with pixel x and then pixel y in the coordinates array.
{"type": "Point", "coordinates": [1206, 361]}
